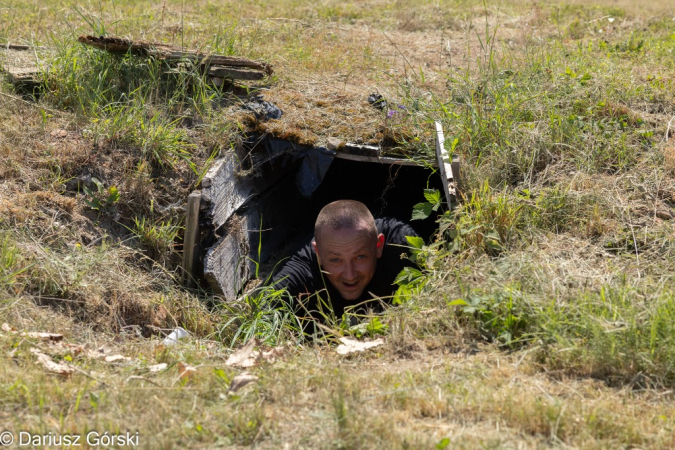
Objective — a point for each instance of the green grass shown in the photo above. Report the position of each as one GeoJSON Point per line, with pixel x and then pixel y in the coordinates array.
{"type": "Point", "coordinates": [542, 316]}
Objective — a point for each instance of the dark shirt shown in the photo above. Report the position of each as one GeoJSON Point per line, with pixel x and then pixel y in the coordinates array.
{"type": "Point", "coordinates": [313, 292]}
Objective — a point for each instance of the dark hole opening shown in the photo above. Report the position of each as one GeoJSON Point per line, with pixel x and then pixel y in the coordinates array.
{"type": "Point", "coordinates": [275, 223]}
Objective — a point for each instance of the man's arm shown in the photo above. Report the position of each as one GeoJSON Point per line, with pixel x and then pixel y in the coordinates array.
{"type": "Point", "coordinates": [296, 275]}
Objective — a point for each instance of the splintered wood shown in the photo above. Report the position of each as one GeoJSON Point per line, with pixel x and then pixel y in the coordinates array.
{"type": "Point", "coordinates": [217, 67]}
{"type": "Point", "coordinates": [20, 66]}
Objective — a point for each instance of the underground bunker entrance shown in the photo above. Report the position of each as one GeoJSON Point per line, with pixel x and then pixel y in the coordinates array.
{"type": "Point", "coordinates": [388, 190]}
{"type": "Point", "coordinates": [259, 221]}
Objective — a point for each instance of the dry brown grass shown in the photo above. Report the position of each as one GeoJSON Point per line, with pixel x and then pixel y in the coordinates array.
{"type": "Point", "coordinates": [317, 400]}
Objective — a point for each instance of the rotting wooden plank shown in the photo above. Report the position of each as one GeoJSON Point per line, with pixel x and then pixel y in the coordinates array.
{"type": "Point", "coordinates": [380, 160]}
{"type": "Point", "coordinates": [445, 167]}
{"type": "Point", "coordinates": [226, 192]}
{"type": "Point", "coordinates": [226, 267]}
{"type": "Point", "coordinates": [23, 75]}
{"type": "Point", "coordinates": [20, 67]}
{"type": "Point", "coordinates": [191, 240]}
{"type": "Point", "coordinates": [117, 45]}
{"type": "Point", "coordinates": [269, 220]}
{"type": "Point", "coordinates": [19, 47]}
{"type": "Point", "coordinates": [237, 74]}
{"type": "Point", "coordinates": [361, 150]}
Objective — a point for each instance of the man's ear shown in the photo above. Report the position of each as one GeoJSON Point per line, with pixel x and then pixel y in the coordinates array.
{"type": "Point", "coordinates": [316, 250]}
{"type": "Point", "coordinates": [380, 244]}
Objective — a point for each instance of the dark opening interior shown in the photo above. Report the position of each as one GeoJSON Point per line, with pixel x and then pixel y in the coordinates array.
{"type": "Point", "coordinates": [387, 190]}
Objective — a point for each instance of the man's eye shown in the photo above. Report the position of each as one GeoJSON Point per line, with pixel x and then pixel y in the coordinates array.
{"type": "Point", "coordinates": [361, 257]}
{"type": "Point", "coordinates": [335, 260]}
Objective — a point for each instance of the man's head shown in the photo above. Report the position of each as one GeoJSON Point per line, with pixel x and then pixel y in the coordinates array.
{"type": "Point", "coordinates": [347, 245]}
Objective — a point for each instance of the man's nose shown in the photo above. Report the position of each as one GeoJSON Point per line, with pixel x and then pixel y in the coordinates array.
{"type": "Point", "coordinates": [349, 270]}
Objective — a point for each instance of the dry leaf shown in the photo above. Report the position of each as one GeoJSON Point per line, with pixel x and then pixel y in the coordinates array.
{"type": "Point", "coordinates": [115, 358]}
{"type": "Point", "coordinates": [352, 345]}
{"type": "Point", "coordinates": [58, 133]}
{"type": "Point", "coordinates": [157, 367]}
{"type": "Point", "coordinates": [64, 348]}
{"type": "Point", "coordinates": [7, 328]}
{"type": "Point", "coordinates": [44, 336]}
{"type": "Point", "coordinates": [241, 380]}
{"type": "Point", "coordinates": [100, 352]}
{"type": "Point", "coordinates": [242, 356]}
{"type": "Point", "coordinates": [186, 370]}
{"type": "Point", "coordinates": [47, 363]}
{"type": "Point", "coordinates": [270, 355]}
{"type": "Point", "coordinates": [74, 348]}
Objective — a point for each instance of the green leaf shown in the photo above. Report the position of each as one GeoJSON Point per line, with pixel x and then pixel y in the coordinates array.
{"type": "Point", "coordinates": [443, 443]}
{"type": "Point", "coordinates": [113, 195]}
{"type": "Point", "coordinates": [421, 211]}
{"type": "Point", "coordinates": [409, 276]}
{"type": "Point", "coordinates": [359, 330]}
{"type": "Point", "coordinates": [93, 204]}
{"type": "Point", "coordinates": [458, 302]}
{"type": "Point", "coordinates": [415, 241]}
{"type": "Point", "coordinates": [97, 182]}
{"type": "Point", "coordinates": [376, 327]}
{"type": "Point", "coordinates": [433, 196]}
{"type": "Point", "coordinates": [402, 295]}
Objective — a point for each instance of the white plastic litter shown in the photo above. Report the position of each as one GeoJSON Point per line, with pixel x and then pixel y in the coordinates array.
{"type": "Point", "coordinates": [351, 345]}
{"type": "Point", "coordinates": [176, 334]}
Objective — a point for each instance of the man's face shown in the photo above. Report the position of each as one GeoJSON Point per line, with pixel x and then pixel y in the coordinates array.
{"type": "Point", "coordinates": [348, 258]}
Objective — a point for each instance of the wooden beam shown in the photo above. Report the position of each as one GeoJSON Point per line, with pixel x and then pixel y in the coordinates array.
{"type": "Point", "coordinates": [19, 47]}
{"type": "Point", "coordinates": [380, 160]}
{"type": "Point", "coordinates": [167, 52]}
{"type": "Point", "coordinates": [191, 240]}
{"type": "Point", "coordinates": [235, 74]}
{"type": "Point", "coordinates": [361, 150]}
{"type": "Point", "coordinates": [445, 167]}
{"type": "Point", "coordinates": [226, 266]}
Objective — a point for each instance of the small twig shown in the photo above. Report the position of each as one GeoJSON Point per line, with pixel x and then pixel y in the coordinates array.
{"type": "Point", "coordinates": [287, 19]}
{"type": "Point", "coordinates": [598, 19]}
{"type": "Point", "coordinates": [665, 136]}
{"type": "Point", "coordinates": [90, 376]}
{"type": "Point", "coordinates": [637, 254]}
{"type": "Point", "coordinates": [137, 377]}
{"type": "Point", "coordinates": [9, 46]}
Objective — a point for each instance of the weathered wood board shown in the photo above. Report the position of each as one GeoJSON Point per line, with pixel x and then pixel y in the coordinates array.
{"type": "Point", "coordinates": [217, 66]}
{"type": "Point", "coordinates": [191, 239]}
{"type": "Point", "coordinates": [449, 168]}
{"type": "Point", "coordinates": [225, 191]}
{"type": "Point", "coordinates": [226, 266]}
{"type": "Point", "coordinates": [251, 235]}
{"type": "Point", "coordinates": [21, 67]}
{"type": "Point", "coordinates": [237, 74]}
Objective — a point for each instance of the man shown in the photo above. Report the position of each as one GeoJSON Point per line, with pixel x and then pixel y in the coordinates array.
{"type": "Point", "coordinates": [353, 258]}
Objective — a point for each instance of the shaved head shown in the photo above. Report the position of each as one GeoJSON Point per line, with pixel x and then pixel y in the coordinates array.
{"type": "Point", "coordinates": [345, 214]}
{"type": "Point", "coordinates": [347, 246]}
